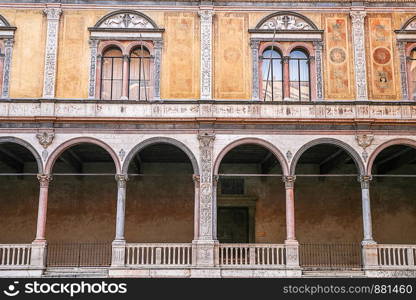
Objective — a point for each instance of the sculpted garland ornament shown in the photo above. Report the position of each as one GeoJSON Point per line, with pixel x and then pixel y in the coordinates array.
{"type": "Point", "coordinates": [126, 20]}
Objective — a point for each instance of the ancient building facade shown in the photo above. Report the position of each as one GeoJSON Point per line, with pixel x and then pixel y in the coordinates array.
{"type": "Point", "coordinates": [208, 138]}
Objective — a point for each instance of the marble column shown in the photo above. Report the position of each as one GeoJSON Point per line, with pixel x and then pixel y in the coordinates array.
{"type": "Point", "coordinates": [197, 180]}
{"type": "Point", "coordinates": [286, 78]}
{"type": "Point", "coordinates": [8, 50]}
{"type": "Point", "coordinates": [365, 198]}
{"type": "Point", "coordinates": [49, 79]}
{"type": "Point", "coordinates": [38, 253]}
{"type": "Point", "coordinates": [119, 243]}
{"type": "Point", "coordinates": [206, 53]}
{"type": "Point", "coordinates": [93, 69]}
{"type": "Point", "coordinates": [291, 244]}
{"type": "Point", "coordinates": [125, 80]}
{"type": "Point", "coordinates": [360, 69]}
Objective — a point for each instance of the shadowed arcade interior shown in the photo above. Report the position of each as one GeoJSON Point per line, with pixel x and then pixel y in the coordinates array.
{"type": "Point", "coordinates": [251, 209]}
{"type": "Point", "coordinates": [160, 202]}
{"type": "Point", "coordinates": [18, 194]}
{"type": "Point", "coordinates": [393, 200]}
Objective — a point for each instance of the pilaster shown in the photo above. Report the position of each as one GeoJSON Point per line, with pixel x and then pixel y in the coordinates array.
{"type": "Point", "coordinates": [8, 50]}
{"type": "Point", "coordinates": [318, 46]}
{"type": "Point", "coordinates": [360, 65]}
{"type": "Point", "coordinates": [158, 46]}
{"type": "Point", "coordinates": [206, 53]}
{"type": "Point", "coordinates": [93, 69]}
{"type": "Point", "coordinates": [49, 79]}
{"type": "Point", "coordinates": [254, 45]}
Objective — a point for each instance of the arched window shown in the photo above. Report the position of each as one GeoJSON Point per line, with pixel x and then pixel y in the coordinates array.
{"type": "Point", "coordinates": [272, 74]}
{"type": "Point", "coordinates": [299, 75]}
{"type": "Point", "coordinates": [111, 74]}
{"type": "Point", "coordinates": [140, 74]}
{"type": "Point", "coordinates": [412, 59]}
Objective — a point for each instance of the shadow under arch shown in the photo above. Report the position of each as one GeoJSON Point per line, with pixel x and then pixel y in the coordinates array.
{"type": "Point", "coordinates": [160, 140]}
{"type": "Point", "coordinates": [28, 146]}
{"type": "Point", "coordinates": [356, 157]}
{"type": "Point", "coordinates": [385, 145]}
{"type": "Point", "coordinates": [279, 156]}
{"type": "Point", "coordinates": [76, 141]}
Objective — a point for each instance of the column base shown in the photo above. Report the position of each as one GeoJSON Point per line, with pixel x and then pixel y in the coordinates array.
{"type": "Point", "coordinates": [38, 254]}
{"type": "Point", "coordinates": [370, 254]}
{"type": "Point", "coordinates": [205, 253]}
{"type": "Point", "coordinates": [292, 253]}
{"type": "Point", "coordinates": [118, 253]}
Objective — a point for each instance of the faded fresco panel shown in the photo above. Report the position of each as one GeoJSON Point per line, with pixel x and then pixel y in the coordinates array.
{"type": "Point", "coordinates": [180, 66]}
{"type": "Point", "coordinates": [380, 52]}
{"type": "Point", "coordinates": [231, 66]}
{"type": "Point", "coordinates": [28, 52]}
{"type": "Point", "coordinates": [338, 66]}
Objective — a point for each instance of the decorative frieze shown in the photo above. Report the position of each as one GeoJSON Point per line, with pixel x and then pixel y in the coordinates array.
{"type": "Point", "coordinates": [8, 50]}
{"type": "Point", "coordinates": [357, 18]}
{"type": "Point", "coordinates": [206, 53]}
{"type": "Point", "coordinates": [53, 15]}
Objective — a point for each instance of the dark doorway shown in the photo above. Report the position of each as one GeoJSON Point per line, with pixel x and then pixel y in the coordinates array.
{"type": "Point", "coordinates": [233, 225]}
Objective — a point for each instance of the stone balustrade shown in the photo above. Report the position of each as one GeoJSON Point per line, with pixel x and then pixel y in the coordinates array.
{"type": "Point", "coordinates": [261, 255]}
{"type": "Point", "coordinates": [159, 254]}
{"type": "Point", "coordinates": [396, 256]}
{"type": "Point", "coordinates": [15, 255]}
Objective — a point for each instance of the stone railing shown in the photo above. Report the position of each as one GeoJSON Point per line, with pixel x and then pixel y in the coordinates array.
{"type": "Point", "coordinates": [15, 255]}
{"type": "Point", "coordinates": [396, 256]}
{"type": "Point", "coordinates": [158, 254]}
{"type": "Point", "coordinates": [252, 255]}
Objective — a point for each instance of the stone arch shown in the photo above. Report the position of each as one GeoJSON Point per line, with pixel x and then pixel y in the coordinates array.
{"type": "Point", "coordinates": [307, 24]}
{"type": "Point", "coordinates": [28, 146]}
{"type": "Point", "coordinates": [356, 157]}
{"type": "Point", "coordinates": [380, 148]}
{"type": "Point", "coordinates": [116, 19]}
{"type": "Point", "coordinates": [277, 153]}
{"type": "Point", "coordinates": [157, 140]}
{"type": "Point", "coordinates": [76, 141]}
{"type": "Point", "coordinates": [409, 24]}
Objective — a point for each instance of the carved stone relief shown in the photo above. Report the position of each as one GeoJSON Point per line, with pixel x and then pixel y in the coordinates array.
{"type": "Point", "coordinates": [206, 53]}
{"type": "Point", "coordinates": [285, 22]}
{"type": "Point", "coordinates": [126, 20]}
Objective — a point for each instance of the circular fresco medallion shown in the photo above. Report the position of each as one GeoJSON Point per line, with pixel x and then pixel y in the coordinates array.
{"type": "Point", "coordinates": [337, 55]}
{"type": "Point", "coordinates": [381, 56]}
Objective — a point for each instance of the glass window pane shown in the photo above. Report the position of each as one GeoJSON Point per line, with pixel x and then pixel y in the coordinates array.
{"type": "Point", "coordinates": [140, 79]}
{"type": "Point", "coordinates": [413, 74]}
{"type": "Point", "coordinates": [272, 75]}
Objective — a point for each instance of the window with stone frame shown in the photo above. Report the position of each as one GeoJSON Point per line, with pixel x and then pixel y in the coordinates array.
{"type": "Point", "coordinates": [406, 44]}
{"type": "Point", "coordinates": [6, 50]}
{"type": "Point", "coordinates": [126, 50]}
{"type": "Point", "coordinates": [287, 58]}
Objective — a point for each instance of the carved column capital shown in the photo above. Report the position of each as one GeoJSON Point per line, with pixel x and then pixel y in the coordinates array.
{"type": "Point", "coordinates": [8, 42]}
{"type": "Point", "coordinates": [206, 14]}
{"type": "Point", "coordinates": [254, 44]}
{"type": "Point", "coordinates": [358, 16]}
{"type": "Point", "coordinates": [365, 181]}
{"type": "Point", "coordinates": [285, 59]}
{"type": "Point", "coordinates": [93, 43]}
{"type": "Point", "coordinates": [289, 181]}
{"type": "Point", "coordinates": [44, 179]}
{"type": "Point", "coordinates": [158, 44]}
{"type": "Point", "coordinates": [121, 180]}
{"type": "Point", "coordinates": [318, 45]}
{"type": "Point", "coordinates": [52, 13]}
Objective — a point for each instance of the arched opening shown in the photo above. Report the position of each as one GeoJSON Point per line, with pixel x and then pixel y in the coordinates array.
{"type": "Point", "coordinates": [19, 192]}
{"type": "Point", "coordinates": [392, 190]}
{"type": "Point", "coordinates": [160, 194]}
{"type": "Point", "coordinates": [299, 73]}
{"type": "Point", "coordinates": [140, 74]}
{"type": "Point", "coordinates": [250, 196]}
{"type": "Point", "coordinates": [111, 74]}
{"type": "Point", "coordinates": [271, 74]}
{"type": "Point", "coordinates": [81, 212]}
{"type": "Point", "coordinates": [328, 206]}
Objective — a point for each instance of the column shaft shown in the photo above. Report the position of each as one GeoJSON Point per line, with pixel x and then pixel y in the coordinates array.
{"type": "Point", "coordinates": [121, 206]}
{"type": "Point", "coordinates": [286, 78]}
{"type": "Point", "coordinates": [290, 207]}
{"type": "Point", "coordinates": [365, 198]}
{"type": "Point", "coordinates": [44, 180]}
{"type": "Point", "coordinates": [125, 81]}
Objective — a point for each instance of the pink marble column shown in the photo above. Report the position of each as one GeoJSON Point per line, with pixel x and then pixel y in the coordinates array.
{"type": "Point", "coordinates": [286, 78]}
{"type": "Point", "coordinates": [290, 207]}
{"type": "Point", "coordinates": [125, 87]}
{"type": "Point", "coordinates": [44, 180]}
{"type": "Point", "coordinates": [196, 180]}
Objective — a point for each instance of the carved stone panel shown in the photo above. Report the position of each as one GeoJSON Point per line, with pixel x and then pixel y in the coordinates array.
{"type": "Point", "coordinates": [206, 53]}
